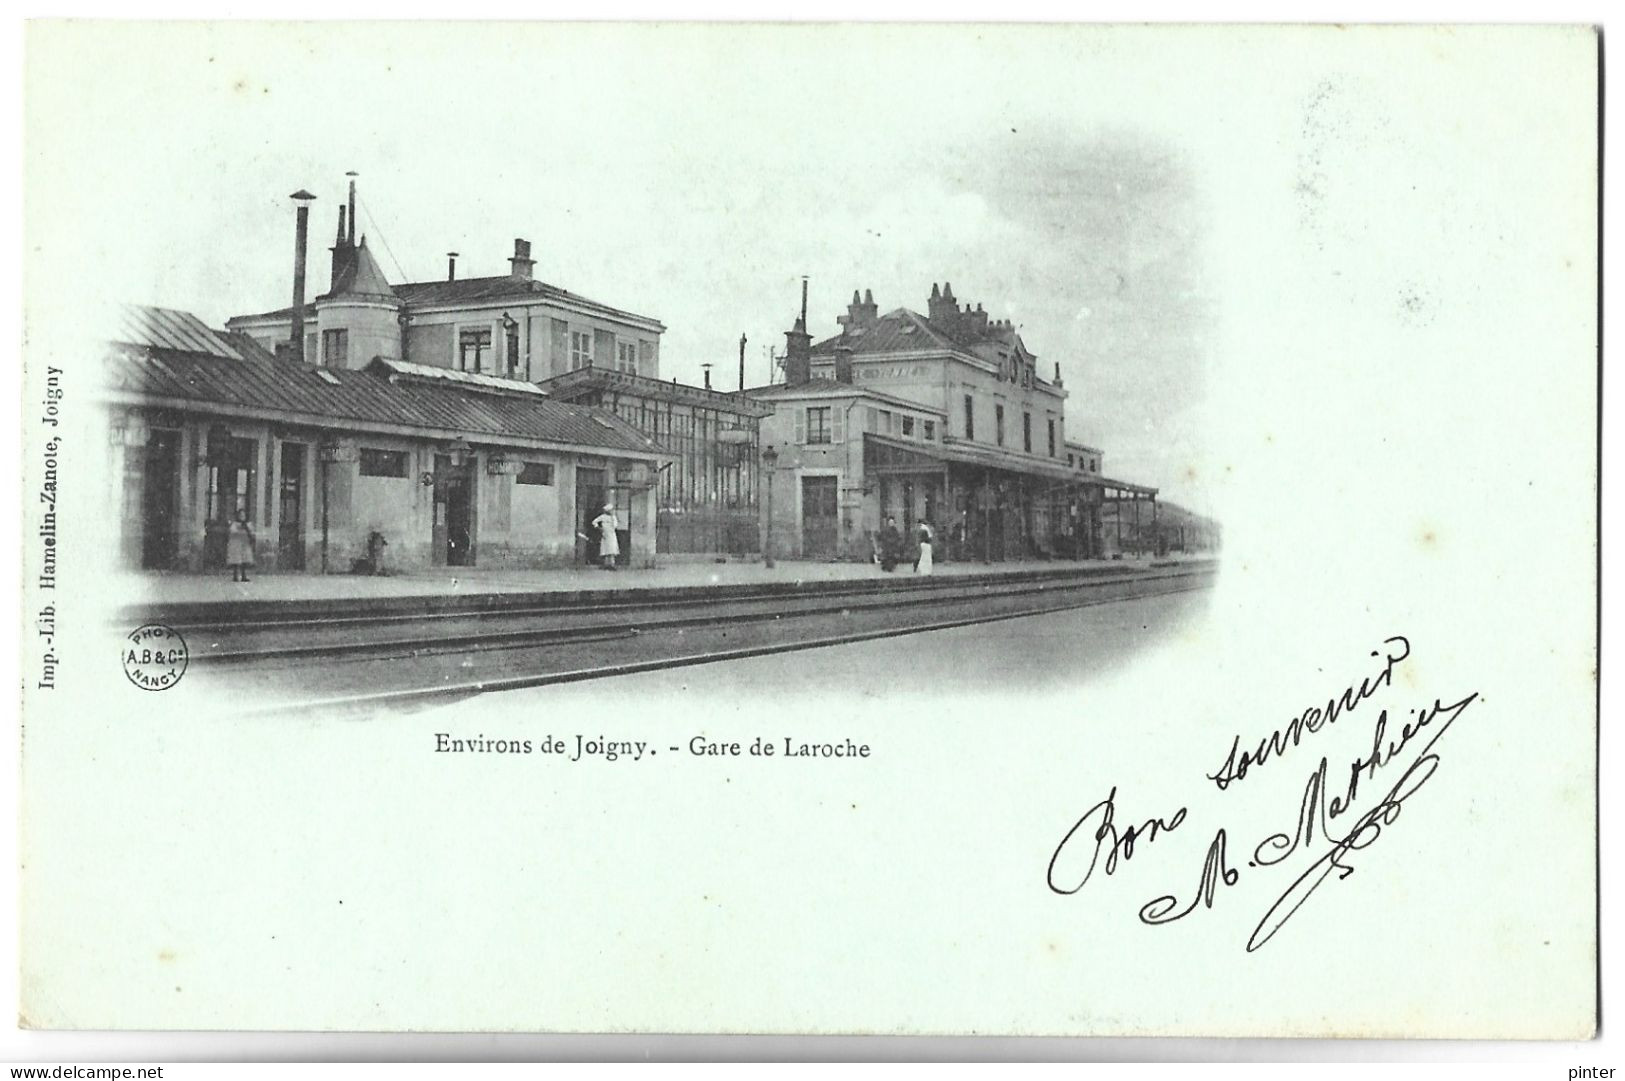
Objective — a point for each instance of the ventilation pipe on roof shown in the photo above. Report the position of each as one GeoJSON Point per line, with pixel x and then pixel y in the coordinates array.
{"type": "Point", "coordinates": [451, 266]}
{"type": "Point", "coordinates": [301, 235]}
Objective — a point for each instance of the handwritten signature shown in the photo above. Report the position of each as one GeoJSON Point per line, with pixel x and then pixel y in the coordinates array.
{"type": "Point", "coordinates": [1096, 841]}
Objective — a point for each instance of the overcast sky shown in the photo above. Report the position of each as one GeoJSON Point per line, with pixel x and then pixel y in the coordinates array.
{"type": "Point", "coordinates": [692, 174]}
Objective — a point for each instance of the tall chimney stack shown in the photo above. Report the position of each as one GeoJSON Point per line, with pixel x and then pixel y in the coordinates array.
{"type": "Point", "coordinates": [798, 345]}
{"type": "Point", "coordinates": [741, 362]}
{"type": "Point", "coordinates": [521, 265]}
{"type": "Point", "coordinates": [301, 235]}
{"type": "Point", "coordinates": [451, 266]}
{"type": "Point", "coordinates": [350, 239]}
{"type": "Point", "coordinates": [707, 369]}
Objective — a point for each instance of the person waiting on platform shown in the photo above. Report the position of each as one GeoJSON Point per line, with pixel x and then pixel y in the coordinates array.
{"type": "Point", "coordinates": [891, 546]}
{"type": "Point", "coordinates": [609, 542]}
{"type": "Point", "coordinates": [240, 547]}
{"type": "Point", "coordinates": [925, 535]}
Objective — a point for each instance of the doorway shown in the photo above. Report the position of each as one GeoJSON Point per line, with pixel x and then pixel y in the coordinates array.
{"type": "Point", "coordinates": [159, 495]}
{"type": "Point", "coordinates": [590, 488]}
{"type": "Point", "coordinates": [820, 521]}
{"type": "Point", "coordinates": [290, 542]}
{"type": "Point", "coordinates": [230, 492]}
{"type": "Point", "coordinates": [453, 537]}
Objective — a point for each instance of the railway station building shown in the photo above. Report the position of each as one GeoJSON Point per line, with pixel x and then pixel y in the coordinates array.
{"type": "Point", "coordinates": [942, 416]}
{"type": "Point", "coordinates": [386, 465]}
{"type": "Point", "coordinates": [708, 498]}
{"type": "Point", "coordinates": [515, 327]}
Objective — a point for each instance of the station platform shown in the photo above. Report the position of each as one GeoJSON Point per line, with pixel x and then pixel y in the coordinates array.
{"type": "Point", "coordinates": [177, 593]}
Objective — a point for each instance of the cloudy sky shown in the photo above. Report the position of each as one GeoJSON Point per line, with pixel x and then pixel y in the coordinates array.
{"type": "Point", "coordinates": [691, 173]}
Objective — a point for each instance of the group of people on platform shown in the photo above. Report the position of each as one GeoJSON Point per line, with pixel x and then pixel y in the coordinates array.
{"type": "Point", "coordinates": [890, 548]}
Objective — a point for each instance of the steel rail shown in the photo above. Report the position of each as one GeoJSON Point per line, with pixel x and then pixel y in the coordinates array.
{"type": "Point", "coordinates": [513, 683]}
{"type": "Point", "coordinates": [799, 608]}
{"type": "Point", "coordinates": [519, 603]}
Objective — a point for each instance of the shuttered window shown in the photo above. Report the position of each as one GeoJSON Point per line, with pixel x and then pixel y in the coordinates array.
{"type": "Point", "coordinates": [818, 424]}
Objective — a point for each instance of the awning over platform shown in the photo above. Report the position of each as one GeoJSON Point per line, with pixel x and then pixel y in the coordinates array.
{"type": "Point", "coordinates": [887, 453]}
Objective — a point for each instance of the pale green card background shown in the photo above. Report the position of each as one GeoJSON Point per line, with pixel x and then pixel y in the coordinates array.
{"type": "Point", "coordinates": [1398, 431]}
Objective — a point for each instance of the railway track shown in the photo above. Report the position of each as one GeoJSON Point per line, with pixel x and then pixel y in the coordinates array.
{"type": "Point", "coordinates": [512, 625]}
{"type": "Point", "coordinates": [484, 652]}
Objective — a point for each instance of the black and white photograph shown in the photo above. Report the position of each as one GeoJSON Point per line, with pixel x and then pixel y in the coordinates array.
{"type": "Point", "coordinates": [810, 529]}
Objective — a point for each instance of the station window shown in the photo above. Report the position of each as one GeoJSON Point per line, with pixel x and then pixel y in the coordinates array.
{"type": "Point", "coordinates": [818, 425]}
{"type": "Point", "coordinates": [382, 463]}
{"type": "Point", "coordinates": [335, 348]}
{"type": "Point", "coordinates": [535, 473]}
{"type": "Point", "coordinates": [930, 430]}
{"type": "Point", "coordinates": [1051, 423]}
{"type": "Point", "coordinates": [474, 350]}
{"type": "Point", "coordinates": [626, 357]}
{"type": "Point", "coordinates": [970, 418]}
{"type": "Point", "coordinates": [580, 349]}
{"type": "Point", "coordinates": [908, 426]}
{"type": "Point", "coordinates": [998, 425]}
{"type": "Point", "coordinates": [1027, 432]}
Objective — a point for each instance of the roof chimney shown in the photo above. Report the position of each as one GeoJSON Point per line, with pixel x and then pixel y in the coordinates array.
{"type": "Point", "coordinates": [943, 309]}
{"type": "Point", "coordinates": [861, 313]}
{"type": "Point", "coordinates": [521, 264]}
{"type": "Point", "coordinates": [301, 234]}
{"type": "Point", "coordinates": [843, 363]}
{"type": "Point", "coordinates": [352, 174]}
{"type": "Point", "coordinates": [707, 369]}
{"type": "Point", "coordinates": [798, 345]}
{"type": "Point", "coordinates": [451, 266]}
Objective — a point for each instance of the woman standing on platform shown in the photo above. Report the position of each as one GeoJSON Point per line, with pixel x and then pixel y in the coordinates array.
{"type": "Point", "coordinates": [609, 543]}
{"type": "Point", "coordinates": [924, 533]}
{"type": "Point", "coordinates": [240, 547]}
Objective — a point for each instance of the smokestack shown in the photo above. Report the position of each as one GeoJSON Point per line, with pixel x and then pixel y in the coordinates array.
{"type": "Point", "coordinates": [707, 368]}
{"type": "Point", "coordinates": [350, 238]}
{"type": "Point", "coordinates": [798, 345]}
{"type": "Point", "coordinates": [741, 362]}
{"type": "Point", "coordinates": [521, 265]}
{"type": "Point", "coordinates": [451, 266]}
{"type": "Point", "coordinates": [301, 235]}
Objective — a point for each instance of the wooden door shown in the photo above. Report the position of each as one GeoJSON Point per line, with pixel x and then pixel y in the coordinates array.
{"type": "Point", "coordinates": [820, 518]}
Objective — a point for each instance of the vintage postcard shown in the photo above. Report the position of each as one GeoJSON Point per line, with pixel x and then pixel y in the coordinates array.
{"type": "Point", "coordinates": [904, 529]}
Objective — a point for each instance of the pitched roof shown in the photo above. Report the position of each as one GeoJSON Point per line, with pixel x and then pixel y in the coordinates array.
{"type": "Point", "coordinates": [169, 328]}
{"type": "Point", "coordinates": [830, 388]}
{"type": "Point", "coordinates": [470, 291]}
{"type": "Point", "coordinates": [259, 386]}
{"type": "Point", "coordinates": [902, 330]}
{"type": "Point", "coordinates": [361, 276]}
{"type": "Point", "coordinates": [405, 370]}
{"type": "Point", "coordinates": [592, 380]}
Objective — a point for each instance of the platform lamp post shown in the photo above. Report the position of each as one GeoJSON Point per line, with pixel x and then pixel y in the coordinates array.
{"type": "Point", "coordinates": [770, 459]}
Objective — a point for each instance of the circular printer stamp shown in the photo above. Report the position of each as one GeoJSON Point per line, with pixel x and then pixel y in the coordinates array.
{"type": "Point", "coordinates": [155, 657]}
